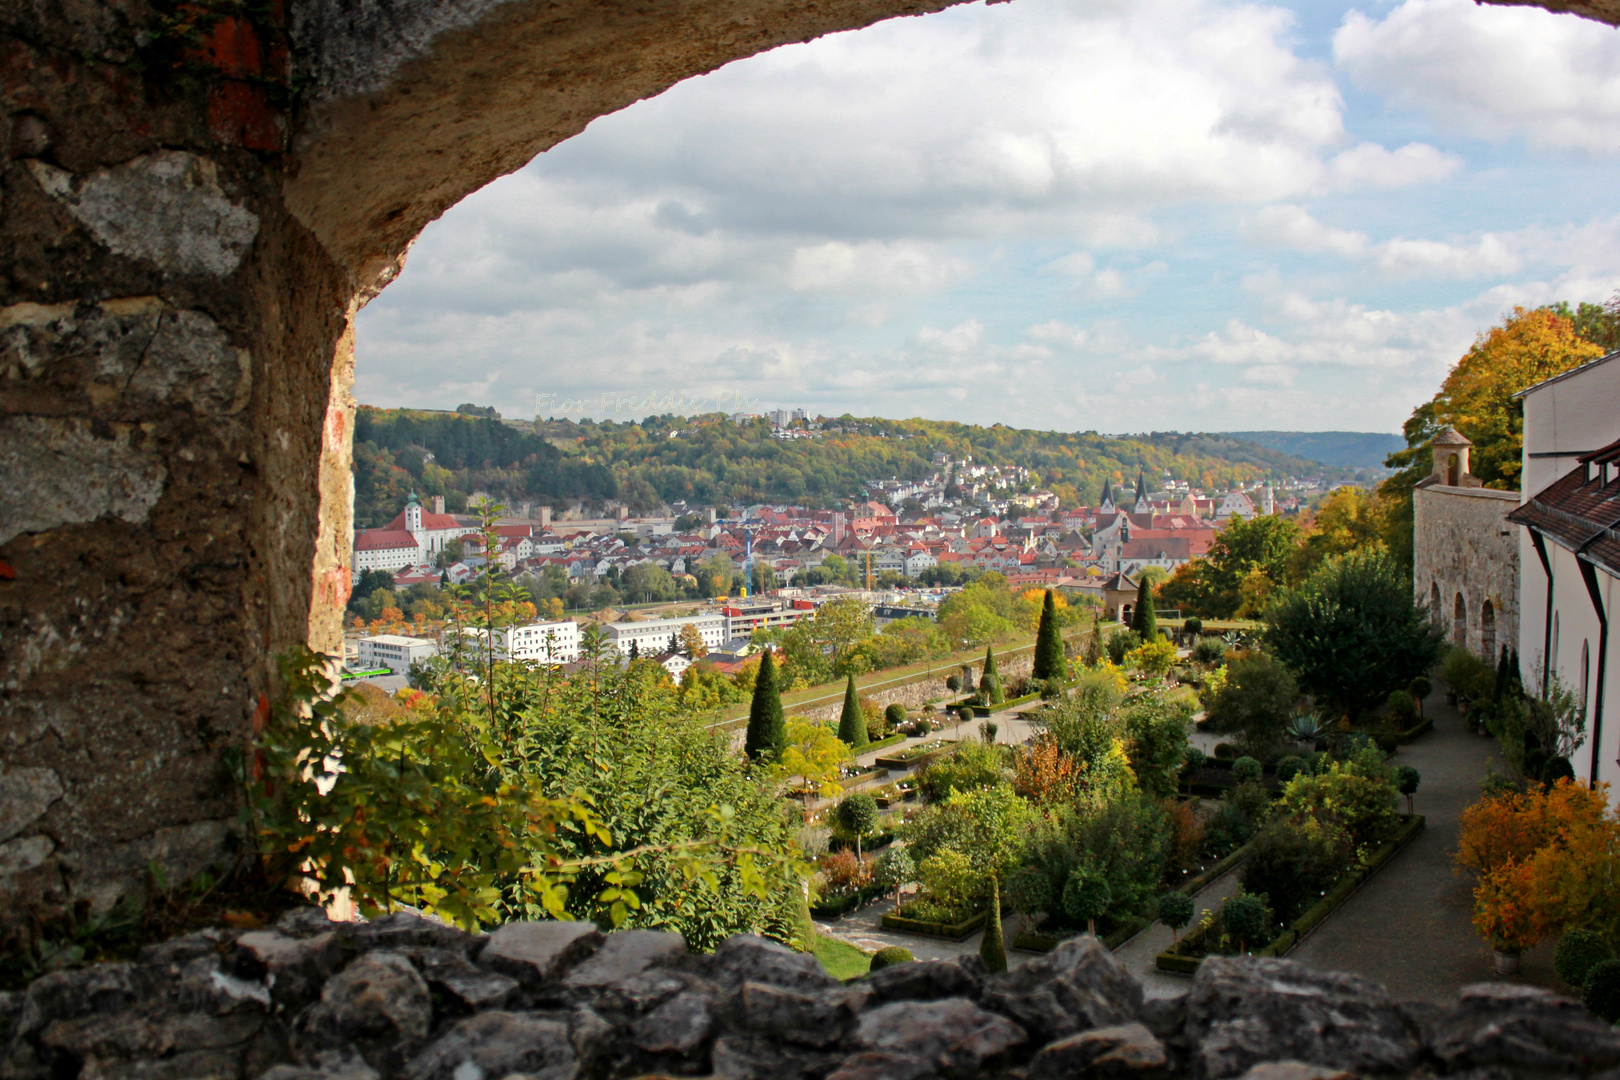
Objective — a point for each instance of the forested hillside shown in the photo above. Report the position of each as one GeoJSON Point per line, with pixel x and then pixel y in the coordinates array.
{"type": "Point", "coordinates": [710, 460]}
{"type": "Point", "coordinates": [1356, 449]}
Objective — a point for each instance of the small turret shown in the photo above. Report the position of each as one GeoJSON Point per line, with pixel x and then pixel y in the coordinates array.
{"type": "Point", "coordinates": [1450, 449]}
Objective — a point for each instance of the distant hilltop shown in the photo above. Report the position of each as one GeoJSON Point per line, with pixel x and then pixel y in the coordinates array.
{"type": "Point", "coordinates": [1352, 449]}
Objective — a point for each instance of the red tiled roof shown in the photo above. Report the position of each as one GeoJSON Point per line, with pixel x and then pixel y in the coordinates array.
{"type": "Point", "coordinates": [1580, 511]}
{"type": "Point", "coordinates": [383, 540]}
{"type": "Point", "coordinates": [429, 521]}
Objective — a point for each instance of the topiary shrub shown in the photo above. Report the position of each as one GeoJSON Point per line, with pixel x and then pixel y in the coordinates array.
{"type": "Point", "coordinates": [1175, 911]}
{"type": "Point", "coordinates": [1420, 688]}
{"type": "Point", "coordinates": [1246, 770]}
{"type": "Point", "coordinates": [1193, 626]}
{"type": "Point", "coordinates": [1402, 709]}
{"type": "Point", "coordinates": [1601, 990]}
{"type": "Point", "coordinates": [1578, 952]}
{"type": "Point", "coordinates": [1246, 918]}
{"type": "Point", "coordinates": [921, 726]}
{"type": "Point", "coordinates": [1086, 896]}
{"type": "Point", "coordinates": [992, 948]}
{"type": "Point", "coordinates": [1225, 751]}
{"type": "Point", "coordinates": [953, 683]}
{"type": "Point", "coordinates": [894, 714]}
{"type": "Point", "coordinates": [1195, 759]}
{"type": "Point", "coordinates": [890, 956]}
{"type": "Point", "coordinates": [1289, 767]}
{"type": "Point", "coordinates": [988, 732]}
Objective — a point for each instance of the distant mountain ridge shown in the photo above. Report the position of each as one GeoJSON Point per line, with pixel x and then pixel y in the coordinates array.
{"type": "Point", "coordinates": [1352, 449]}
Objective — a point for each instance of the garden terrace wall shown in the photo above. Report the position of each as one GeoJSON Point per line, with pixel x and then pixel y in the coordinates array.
{"type": "Point", "coordinates": [407, 998]}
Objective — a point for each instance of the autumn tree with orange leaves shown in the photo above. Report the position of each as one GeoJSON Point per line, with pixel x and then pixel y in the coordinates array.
{"type": "Point", "coordinates": [1545, 861]}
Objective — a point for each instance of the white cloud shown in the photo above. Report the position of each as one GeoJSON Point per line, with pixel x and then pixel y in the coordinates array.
{"type": "Point", "coordinates": [1290, 226]}
{"type": "Point", "coordinates": [958, 339]}
{"type": "Point", "coordinates": [1491, 71]}
{"type": "Point", "coordinates": [1368, 165]}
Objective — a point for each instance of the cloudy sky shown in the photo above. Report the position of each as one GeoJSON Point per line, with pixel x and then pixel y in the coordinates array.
{"type": "Point", "coordinates": [1118, 215]}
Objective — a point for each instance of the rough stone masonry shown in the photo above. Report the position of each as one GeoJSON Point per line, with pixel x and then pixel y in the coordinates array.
{"type": "Point", "coordinates": [197, 196]}
{"type": "Point", "coordinates": [406, 997]}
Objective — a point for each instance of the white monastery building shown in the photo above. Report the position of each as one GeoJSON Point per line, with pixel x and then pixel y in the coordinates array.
{"type": "Point", "coordinates": [411, 539]}
{"type": "Point", "coordinates": [1570, 550]}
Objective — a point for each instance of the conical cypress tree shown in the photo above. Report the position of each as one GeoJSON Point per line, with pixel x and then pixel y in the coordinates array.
{"type": "Point", "coordinates": [992, 949]}
{"type": "Point", "coordinates": [767, 727]}
{"type": "Point", "coordinates": [1094, 644]}
{"type": "Point", "coordinates": [1144, 620]}
{"type": "Point", "coordinates": [852, 721]}
{"type": "Point", "coordinates": [1049, 662]}
{"type": "Point", "coordinates": [990, 681]}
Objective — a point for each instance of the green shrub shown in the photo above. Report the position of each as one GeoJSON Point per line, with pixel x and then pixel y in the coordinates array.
{"type": "Point", "coordinates": [1578, 952]}
{"type": "Point", "coordinates": [1402, 709]}
{"type": "Point", "coordinates": [1358, 795]}
{"type": "Point", "coordinates": [1252, 802]}
{"type": "Point", "coordinates": [1246, 918]}
{"type": "Point", "coordinates": [1119, 642]}
{"type": "Point", "coordinates": [1225, 751]}
{"type": "Point", "coordinates": [1195, 759]}
{"type": "Point", "coordinates": [894, 714]}
{"type": "Point", "coordinates": [953, 683]}
{"type": "Point", "coordinates": [1468, 675]}
{"type": "Point", "coordinates": [1293, 864]}
{"type": "Point", "coordinates": [1289, 767]}
{"type": "Point", "coordinates": [992, 949]}
{"type": "Point", "coordinates": [1193, 626]}
{"type": "Point", "coordinates": [891, 955]}
{"type": "Point", "coordinates": [1420, 688]}
{"type": "Point", "coordinates": [858, 815]}
{"type": "Point", "coordinates": [1407, 780]}
{"type": "Point", "coordinates": [1246, 770]}
{"type": "Point", "coordinates": [1086, 897]}
{"type": "Point", "coordinates": [1601, 990]}
{"type": "Point", "coordinates": [922, 726]}
{"type": "Point", "coordinates": [1208, 650]}
{"type": "Point", "coordinates": [1257, 702]}
{"type": "Point", "coordinates": [1175, 911]}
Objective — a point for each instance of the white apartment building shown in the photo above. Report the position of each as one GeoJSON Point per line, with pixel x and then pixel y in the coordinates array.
{"type": "Point", "coordinates": [1569, 551]}
{"type": "Point", "coordinates": [541, 642]}
{"type": "Point", "coordinates": [393, 651]}
{"type": "Point", "coordinates": [652, 637]}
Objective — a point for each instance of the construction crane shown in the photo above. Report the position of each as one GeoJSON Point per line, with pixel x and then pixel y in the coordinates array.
{"type": "Point", "coordinates": [868, 568]}
{"type": "Point", "coordinates": [748, 559]}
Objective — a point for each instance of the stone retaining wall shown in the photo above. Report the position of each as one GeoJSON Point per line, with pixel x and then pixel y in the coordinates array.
{"type": "Point", "coordinates": [405, 997]}
{"type": "Point", "coordinates": [925, 688]}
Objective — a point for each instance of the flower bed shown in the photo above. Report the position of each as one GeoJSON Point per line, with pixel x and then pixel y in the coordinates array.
{"type": "Point", "coordinates": [951, 931]}
{"type": "Point", "coordinates": [1214, 780]}
{"type": "Point", "coordinates": [913, 755]}
{"type": "Point", "coordinates": [892, 794]}
{"type": "Point", "coordinates": [1184, 956]}
{"type": "Point", "coordinates": [873, 773]}
{"type": "Point", "coordinates": [880, 839]}
{"type": "Point", "coordinates": [1117, 934]}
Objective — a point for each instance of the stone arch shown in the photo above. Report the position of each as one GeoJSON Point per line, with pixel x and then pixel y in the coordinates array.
{"type": "Point", "coordinates": [1453, 470]}
{"type": "Point", "coordinates": [192, 222]}
{"type": "Point", "coordinates": [1487, 631]}
{"type": "Point", "coordinates": [1436, 616]}
{"type": "Point", "coordinates": [1459, 622]}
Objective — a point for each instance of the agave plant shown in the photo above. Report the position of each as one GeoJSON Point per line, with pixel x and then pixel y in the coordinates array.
{"type": "Point", "coordinates": [1307, 728]}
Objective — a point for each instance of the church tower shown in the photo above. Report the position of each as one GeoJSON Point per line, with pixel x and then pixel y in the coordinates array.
{"type": "Point", "coordinates": [1142, 505]}
{"type": "Point", "coordinates": [413, 518]}
{"type": "Point", "coordinates": [1107, 504]}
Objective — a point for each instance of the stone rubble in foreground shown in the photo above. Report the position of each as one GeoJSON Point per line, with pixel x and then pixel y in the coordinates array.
{"type": "Point", "coordinates": [411, 998]}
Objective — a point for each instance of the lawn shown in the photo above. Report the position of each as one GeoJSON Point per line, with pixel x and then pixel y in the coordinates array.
{"type": "Point", "coordinates": [841, 959]}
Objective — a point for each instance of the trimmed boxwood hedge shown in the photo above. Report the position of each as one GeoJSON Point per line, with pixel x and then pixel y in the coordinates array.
{"type": "Point", "coordinates": [842, 905]}
{"type": "Point", "coordinates": [1289, 937]}
{"type": "Point", "coordinates": [951, 931]}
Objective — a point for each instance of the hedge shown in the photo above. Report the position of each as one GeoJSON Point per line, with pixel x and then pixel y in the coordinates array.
{"type": "Point", "coordinates": [888, 740]}
{"type": "Point", "coordinates": [899, 761]}
{"type": "Point", "coordinates": [1034, 941]}
{"type": "Point", "coordinates": [1291, 934]}
{"type": "Point", "coordinates": [841, 905]}
{"type": "Point", "coordinates": [951, 931]}
{"type": "Point", "coordinates": [869, 844]}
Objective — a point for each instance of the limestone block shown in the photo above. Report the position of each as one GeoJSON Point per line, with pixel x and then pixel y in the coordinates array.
{"type": "Point", "coordinates": [17, 856]}
{"type": "Point", "coordinates": [537, 952]}
{"type": "Point", "coordinates": [1120, 1052]}
{"type": "Point", "coordinates": [495, 1044]}
{"type": "Point", "coordinates": [953, 1035]}
{"type": "Point", "coordinates": [25, 795]}
{"type": "Point", "coordinates": [166, 209]}
{"type": "Point", "coordinates": [56, 472]}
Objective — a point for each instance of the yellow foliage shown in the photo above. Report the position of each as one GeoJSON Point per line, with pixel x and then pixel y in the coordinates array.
{"type": "Point", "coordinates": [813, 752]}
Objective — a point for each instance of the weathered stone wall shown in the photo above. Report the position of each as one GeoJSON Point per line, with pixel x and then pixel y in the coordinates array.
{"type": "Point", "coordinates": [404, 997]}
{"type": "Point", "coordinates": [1462, 545]}
{"type": "Point", "coordinates": [197, 199]}
{"type": "Point", "coordinates": [913, 694]}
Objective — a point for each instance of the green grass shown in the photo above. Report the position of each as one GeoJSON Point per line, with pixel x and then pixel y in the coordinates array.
{"type": "Point", "coordinates": [841, 959]}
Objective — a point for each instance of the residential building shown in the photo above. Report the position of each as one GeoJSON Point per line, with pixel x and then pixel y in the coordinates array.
{"type": "Point", "coordinates": [395, 652]}
{"type": "Point", "coordinates": [652, 636]}
{"type": "Point", "coordinates": [1569, 551]}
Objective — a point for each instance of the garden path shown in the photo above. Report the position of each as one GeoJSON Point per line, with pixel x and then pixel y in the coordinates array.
{"type": "Point", "coordinates": [1410, 926]}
